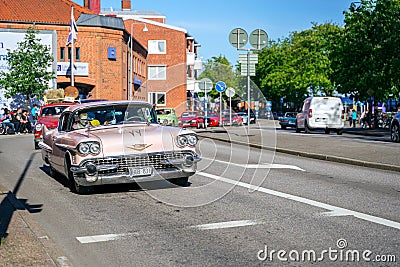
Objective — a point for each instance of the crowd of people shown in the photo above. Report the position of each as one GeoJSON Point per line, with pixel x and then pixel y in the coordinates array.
{"type": "Point", "coordinates": [19, 121]}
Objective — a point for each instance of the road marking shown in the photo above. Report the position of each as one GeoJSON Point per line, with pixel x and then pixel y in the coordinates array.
{"type": "Point", "coordinates": [259, 166]}
{"type": "Point", "coordinates": [331, 208]}
{"type": "Point", "coordinates": [230, 224]}
{"type": "Point", "coordinates": [102, 238]}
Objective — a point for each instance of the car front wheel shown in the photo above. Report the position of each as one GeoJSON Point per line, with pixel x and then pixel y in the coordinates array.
{"type": "Point", "coordinates": [395, 133]}
{"type": "Point", "coordinates": [74, 186]}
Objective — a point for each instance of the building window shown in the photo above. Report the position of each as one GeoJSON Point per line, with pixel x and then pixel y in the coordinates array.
{"type": "Point", "coordinates": [157, 72]}
{"type": "Point", "coordinates": [157, 47]}
{"type": "Point", "coordinates": [62, 53]}
{"type": "Point", "coordinates": [157, 98]}
{"type": "Point", "coordinates": [77, 53]}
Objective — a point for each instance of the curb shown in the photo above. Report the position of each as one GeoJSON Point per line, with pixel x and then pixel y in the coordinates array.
{"type": "Point", "coordinates": [53, 253]}
{"type": "Point", "coordinates": [337, 159]}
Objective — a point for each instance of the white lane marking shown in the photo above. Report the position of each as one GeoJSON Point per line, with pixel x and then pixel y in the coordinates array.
{"type": "Point", "coordinates": [102, 238]}
{"type": "Point", "coordinates": [230, 224]}
{"type": "Point", "coordinates": [259, 166]}
{"type": "Point", "coordinates": [310, 202]}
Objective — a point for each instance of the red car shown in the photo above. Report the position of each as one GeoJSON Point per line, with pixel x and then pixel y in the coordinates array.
{"type": "Point", "coordinates": [212, 119]}
{"type": "Point", "coordinates": [191, 119]}
{"type": "Point", "coordinates": [236, 119]}
{"type": "Point", "coordinates": [47, 118]}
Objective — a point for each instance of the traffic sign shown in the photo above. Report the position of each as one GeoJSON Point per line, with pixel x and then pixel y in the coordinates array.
{"type": "Point", "coordinates": [205, 85]}
{"type": "Point", "coordinates": [258, 39]}
{"type": "Point", "coordinates": [220, 86]}
{"type": "Point", "coordinates": [230, 92]}
{"type": "Point", "coordinates": [238, 38]}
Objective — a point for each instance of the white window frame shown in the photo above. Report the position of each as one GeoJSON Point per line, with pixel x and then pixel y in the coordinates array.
{"type": "Point", "coordinates": [154, 46]}
{"type": "Point", "coordinates": [157, 72]}
{"type": "Point", "coordinates": [156, 94]}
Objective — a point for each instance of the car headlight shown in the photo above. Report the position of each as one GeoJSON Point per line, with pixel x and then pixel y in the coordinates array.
{"type": "Point", "coordinates": [83, 148]}
{"type": "Point", "coordinates": [192, 139]}
{"type": "Point", "coordinates": [181, 140]}
{"type": "Point", "coordinates": [89, 147]}
{"type": "Point", "coordinates": [38, 127]}
{"type": "Point", "coordinates": [94, 148]}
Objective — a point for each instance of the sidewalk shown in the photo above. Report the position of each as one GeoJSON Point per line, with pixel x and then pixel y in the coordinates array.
{"type": "Point", "coordinates": [22, 241]}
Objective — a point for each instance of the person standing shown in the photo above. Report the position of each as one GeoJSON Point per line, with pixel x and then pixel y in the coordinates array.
{"type": "Point", "coordinates": [354, 117]}
{"type": "Point", "coordinates": [16, 120]}
{"type": "Point", "coordinates": [34, 113]}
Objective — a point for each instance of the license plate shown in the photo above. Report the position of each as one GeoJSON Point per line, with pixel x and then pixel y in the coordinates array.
{"type": "Point", "coordinates": [142, 171]}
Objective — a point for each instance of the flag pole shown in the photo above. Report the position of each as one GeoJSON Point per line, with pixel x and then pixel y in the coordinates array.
{"type": "Point", "coordinates": [72, 49]}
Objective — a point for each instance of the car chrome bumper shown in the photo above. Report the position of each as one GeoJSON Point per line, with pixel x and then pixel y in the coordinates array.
{"type": "Point", "coordinates": [90, 174]}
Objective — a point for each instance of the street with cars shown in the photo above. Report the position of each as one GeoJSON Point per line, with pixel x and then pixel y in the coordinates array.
{"type": "Point", "coordinates": [243, 205]}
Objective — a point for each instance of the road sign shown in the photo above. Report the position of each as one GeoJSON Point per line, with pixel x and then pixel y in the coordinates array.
{"type": "Point", "coordinates": [230, 92]}
{"type": "Point", "coordinates": [238, 38]}
{"type": "Point", "coordinates": [258, 39]}
{"type": "Point", "coordinates": [220, 87]}
{"type": "Point", "coordinates": [205, 85]}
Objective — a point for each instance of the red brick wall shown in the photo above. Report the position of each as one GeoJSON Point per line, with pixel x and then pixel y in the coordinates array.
{"type": "Point", "coordinates": [109, 78]}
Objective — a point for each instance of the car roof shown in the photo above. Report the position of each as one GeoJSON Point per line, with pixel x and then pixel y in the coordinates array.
{"type": "Point", "coordinates": [57, 104]}
{"type": "Point", "coordinates": [106, 103]}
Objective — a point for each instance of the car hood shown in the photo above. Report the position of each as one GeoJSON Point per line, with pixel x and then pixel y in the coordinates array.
{"type": "Point", "coordinates": [188, 119]}
{"type": "Point", "coordinates": [51, 122]}
{"type": "Point", "coordinates": [134, 139]}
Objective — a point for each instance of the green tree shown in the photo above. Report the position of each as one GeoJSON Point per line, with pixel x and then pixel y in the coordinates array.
{"type": "Point", "coordinates": [28, 68]}
{"type": "Point", "coordinates": [220, 69]}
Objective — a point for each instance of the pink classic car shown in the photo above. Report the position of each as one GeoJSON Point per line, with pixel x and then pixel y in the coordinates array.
{"type": "Point", "coordinates": [116, 142]}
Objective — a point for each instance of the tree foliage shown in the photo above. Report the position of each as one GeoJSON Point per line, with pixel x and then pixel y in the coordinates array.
{"type": "Point", "coordinates": [28, 68]}
{"type": "Point", "coordinates": [220, 69]}
{"type": "Point", "coordinates": [367, 61]}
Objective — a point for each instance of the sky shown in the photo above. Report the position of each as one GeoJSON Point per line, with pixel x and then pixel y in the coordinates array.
{"type": "Point", "coordinates": [211, 21]}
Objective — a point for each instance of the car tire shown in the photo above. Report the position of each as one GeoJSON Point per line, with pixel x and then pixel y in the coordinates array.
{"type": "Point", "coordinates": [339, 131]}
{"type": "Point", "coordinates": [52, 172]}
{"type": "Point", "coordinates": [173, 124]}
{"type": "Point", "coordinates": [36, 145]}
{"type": "Point", "coordinates": [395, 133]}
{"type": "Point", "coordinates": [283, 127]}
{"type": "Point", "coordinates": [182, 181]}
{"type": "Point", "coordinates": [74, 186]}
{"type": "Point", "coordinates": [327, 131]}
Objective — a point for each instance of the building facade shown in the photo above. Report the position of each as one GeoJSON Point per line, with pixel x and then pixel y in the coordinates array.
{"type": "Point", "coordinates": [102, 52]}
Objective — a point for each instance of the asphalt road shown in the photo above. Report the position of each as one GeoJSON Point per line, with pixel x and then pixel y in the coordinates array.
{"type": "Point", "coordinates": [241, 204]}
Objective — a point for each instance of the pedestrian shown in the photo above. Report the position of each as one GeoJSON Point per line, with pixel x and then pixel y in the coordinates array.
{"type": "Point", "coordinates": [363, 118]}
{"type": "Point", "coordinates": [7, 122]}
{"type": "Point", "coordinates": [25, 126]}
{"type": "Point", "coordinates": [354, 117]}
{"type": "Point", "coordinates": [16, 120]}
{"type": "Point", "coordinates": [34, 113]}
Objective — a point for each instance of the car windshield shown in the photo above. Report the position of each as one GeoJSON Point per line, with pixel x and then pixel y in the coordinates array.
{"type": "Point", "coordinates": [163, 111]}
{"type": "Point", "coordinates": [290, 115]}
{"type": "Point", "coordinates": [113, 114]}
{"type": "Point", "coordinates": [189, 114]}
{"type": "Point", "coordinates": [53, 110]}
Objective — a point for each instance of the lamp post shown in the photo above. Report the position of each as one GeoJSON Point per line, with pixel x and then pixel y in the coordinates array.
{"type": "Point", "coordinates": [131, 58]}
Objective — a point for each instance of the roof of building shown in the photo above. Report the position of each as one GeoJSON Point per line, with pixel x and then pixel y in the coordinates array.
{"type": "Point", "coordinates": [40, 11]}
{"type": "Point", "coordinates": [142, 13]}
{"type": "Point", "coordinates": [100, 21]}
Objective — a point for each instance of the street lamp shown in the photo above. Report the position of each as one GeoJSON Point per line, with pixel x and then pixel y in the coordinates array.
{"type": "Point", "coordinates": [131, 57]}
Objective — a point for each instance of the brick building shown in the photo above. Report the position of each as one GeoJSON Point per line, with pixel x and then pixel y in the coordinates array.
{"type": "Point", "coordinates": [172, 61]}
{"type": "Point", "coordinates": [102, 51]}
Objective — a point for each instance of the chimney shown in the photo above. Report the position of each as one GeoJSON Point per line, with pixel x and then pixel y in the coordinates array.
{"type": "Point", "coordinates": [93, 5]}
{"type": "Point", "coordinates": [126, 4]}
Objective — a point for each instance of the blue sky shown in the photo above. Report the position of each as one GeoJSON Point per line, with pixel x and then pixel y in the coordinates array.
{"type": "Point", "coordinates": [211, 21]}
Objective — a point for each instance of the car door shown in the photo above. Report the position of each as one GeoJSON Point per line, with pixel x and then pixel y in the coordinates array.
{"type": "Point", "coordinates": [58, 155]}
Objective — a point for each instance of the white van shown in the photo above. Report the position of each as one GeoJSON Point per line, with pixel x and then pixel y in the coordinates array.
{"type": "Point", "coordinates": [321, 113]}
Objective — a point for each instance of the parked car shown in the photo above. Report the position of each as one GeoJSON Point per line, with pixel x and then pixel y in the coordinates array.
{"type": "Point", "coordinates": [191, 119]}
{"type": "Point", "coordinates": [47, 119]}
{"type": "Point", "coordinates": [244, 115]}
{"type": "Point", "coordinates": [278, 115]}
{"type": "Point", "coordinates": [288, 120]}
{"type": "Point", "coordinates": [323, 113]}
{"type": "Point", "coordinates": [167, 116]}
{"type": "Point", "coordinates": [212, 119]}
{"type": "Point", "coordinates": [395, 128]}
{"type": "Point", "coordinates": [236, 119]}
{"type": "Point", "coordinates": [117, 142]}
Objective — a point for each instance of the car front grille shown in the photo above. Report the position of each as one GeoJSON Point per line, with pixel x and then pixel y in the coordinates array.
{"type": "Point", "coordinates": [156, 160]}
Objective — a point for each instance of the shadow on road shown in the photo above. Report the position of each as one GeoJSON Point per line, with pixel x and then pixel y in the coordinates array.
{"type": "Point", "coordinates": [11, 203]}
